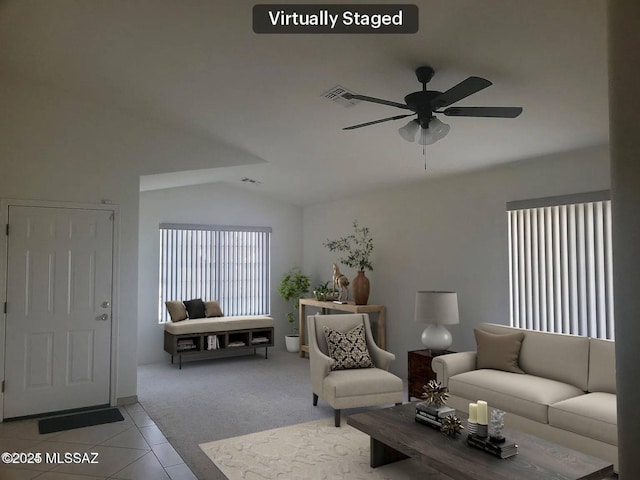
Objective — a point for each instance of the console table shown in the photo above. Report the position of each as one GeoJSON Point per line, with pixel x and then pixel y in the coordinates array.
{"type": "Point", "coordinates": [350, 307]}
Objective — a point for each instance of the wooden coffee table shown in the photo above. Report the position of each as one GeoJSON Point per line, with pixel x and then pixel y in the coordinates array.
{"type": "Point", "coordinates": [395, 435]}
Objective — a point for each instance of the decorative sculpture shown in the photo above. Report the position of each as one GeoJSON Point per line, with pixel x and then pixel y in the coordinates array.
{"type": "Point", "coordinates": [452, 425]}
{"type": "Point", "coordinates": [435, 393]}
{"type": "Point", "coordinates": [342, 282]}
{"type": "Point", "coordinates": [497, 424]}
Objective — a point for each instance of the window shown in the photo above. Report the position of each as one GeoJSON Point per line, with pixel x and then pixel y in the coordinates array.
{"type": "Point", "coordinates": [225, 263]}
{"type": "Point", "coordinates": [560, 264]}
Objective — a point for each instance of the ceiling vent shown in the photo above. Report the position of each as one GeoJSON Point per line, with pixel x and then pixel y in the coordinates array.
{"type": "Point", "coordinates": [251, 180]}
{"type": "Point", "coordinates": [336, 94]}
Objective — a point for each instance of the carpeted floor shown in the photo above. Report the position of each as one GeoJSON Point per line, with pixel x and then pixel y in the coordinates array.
{"type": "Point", "coordinates": [308, 451]}
{"type": "Point", "coordinates": [226, 397]}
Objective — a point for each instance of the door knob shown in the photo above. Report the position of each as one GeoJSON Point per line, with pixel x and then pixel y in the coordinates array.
{"type": "Point", "coordinates": [106, 304]}
{"type": "Point", "coordinates": [104, 316]}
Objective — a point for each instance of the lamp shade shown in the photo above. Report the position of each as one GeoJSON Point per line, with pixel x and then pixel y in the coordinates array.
{"type": "Point", "coordinates": [437, 308]}
{"type": "Point", "coordinates": [409, 131]}
{"type": "Point", "coordinates": [437, 130]}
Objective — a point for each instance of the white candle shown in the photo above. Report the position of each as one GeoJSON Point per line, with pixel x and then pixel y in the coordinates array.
{"type": "Point", "coordinates": [473, 412]}
{"type": "Point", "coordinates": [483, 417]}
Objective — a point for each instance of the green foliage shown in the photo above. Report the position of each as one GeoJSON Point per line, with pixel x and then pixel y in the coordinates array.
{"type": "Point", "coordinates": [322, 290]}
{"type": "Point", "coordinates": [292, 287]}
{"type": "Point", "coordinates": [358, 248]}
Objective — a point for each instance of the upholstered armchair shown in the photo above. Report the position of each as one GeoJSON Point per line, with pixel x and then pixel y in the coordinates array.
{"type": "Point", "coordinates": [350, 387]}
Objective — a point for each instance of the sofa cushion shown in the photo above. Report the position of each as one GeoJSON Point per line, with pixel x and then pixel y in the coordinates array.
{"type": "Point", "coordinates": [556, 356]}
{"type": "Point", "coordinates": [348, 349]}
{"type": "Point", "coordinates": [219, 324]}
{"type": "Point", "coordinates": [366, 381]}
{"type": "Point", "coordinates": [212, 309]}
{"type": "Point", "coordinates": [602, 365]}
{"type": "Point", "coordinates": [195, 308]}
{"type": "Point", "coordinates": [177, 310]}
{"type": "Point", "coordinates": [593, 415]}
{"type": "Point", "coordinates": [525, 395]}
{"type": "Point", "coordinates": [499, 352]}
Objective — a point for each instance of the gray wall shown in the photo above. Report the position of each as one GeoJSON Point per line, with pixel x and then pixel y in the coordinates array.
{"type": "Point", "coordinates": [624, 99]}
{"type": "Point", "coordinates": [58, 146]}
{"type": "Point", "coordinates": [445, 234]}
{"type": "Point", "coordinates": [217, 204]}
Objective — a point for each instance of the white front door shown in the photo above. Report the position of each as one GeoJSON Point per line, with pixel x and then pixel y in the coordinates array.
{"type": "Point", "coordinates": [58, 328]}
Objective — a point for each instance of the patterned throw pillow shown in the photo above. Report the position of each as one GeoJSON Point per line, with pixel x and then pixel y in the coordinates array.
{"type": "Point", "coordinates": [348, 349]}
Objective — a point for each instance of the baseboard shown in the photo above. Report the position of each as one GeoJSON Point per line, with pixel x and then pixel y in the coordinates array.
{"type": "Point", "coordinates": [122, 401]}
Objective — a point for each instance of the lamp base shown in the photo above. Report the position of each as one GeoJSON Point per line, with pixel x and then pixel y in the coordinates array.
{"type": "Point", "coordinates": [436, 338]}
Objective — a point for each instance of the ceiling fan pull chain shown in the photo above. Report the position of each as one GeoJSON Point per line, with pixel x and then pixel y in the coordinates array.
{"type": "Point", "coordinates": [424, 154]}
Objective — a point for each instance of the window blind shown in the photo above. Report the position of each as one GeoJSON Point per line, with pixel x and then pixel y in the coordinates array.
{"type": "Point", "coordinates": [560, 268]}
{"type": "Point", "coordinates": [229, 264]}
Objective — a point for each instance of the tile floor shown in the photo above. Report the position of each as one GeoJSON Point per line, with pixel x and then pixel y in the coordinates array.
{"type": "Point", "coordinates": [134, 449]}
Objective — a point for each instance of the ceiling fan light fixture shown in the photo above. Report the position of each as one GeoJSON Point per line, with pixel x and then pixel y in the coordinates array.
{"type": "Point", "coordinates": [437, 131]}
{"type": "Point", "coordinates": [409, 131]}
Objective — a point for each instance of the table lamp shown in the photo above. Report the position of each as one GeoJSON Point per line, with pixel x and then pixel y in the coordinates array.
{"type": "Point", "coordinates": [436, 309]}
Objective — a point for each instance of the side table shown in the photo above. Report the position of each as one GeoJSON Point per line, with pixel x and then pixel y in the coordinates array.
{"type": "Point", "coordinates": [420, 371]}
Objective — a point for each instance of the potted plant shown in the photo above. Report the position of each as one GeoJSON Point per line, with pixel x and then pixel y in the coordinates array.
{"type": "Point", "coordinates": [323, 292]}
{"type": "Point", "coordinates": [292, 287]}
{"type": "Point", "coordinates": [357, 248]}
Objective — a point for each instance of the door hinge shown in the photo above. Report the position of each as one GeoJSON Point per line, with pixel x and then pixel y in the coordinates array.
{"type": "Point", "coordinates": [7, 230]}
{"type": "Point", "coordinates": [5, 307]}
{"type": "Point", "coordinates": [2, 386]}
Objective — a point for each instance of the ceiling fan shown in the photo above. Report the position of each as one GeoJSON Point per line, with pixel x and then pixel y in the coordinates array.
{"type": "Point", "coordinates": [427, 102]}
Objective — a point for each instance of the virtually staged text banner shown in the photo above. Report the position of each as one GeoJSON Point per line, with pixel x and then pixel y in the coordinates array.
{"type": "Point", "coordinates": [308, 18]}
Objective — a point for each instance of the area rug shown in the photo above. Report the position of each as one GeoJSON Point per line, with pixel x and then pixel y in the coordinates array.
{"type": "Point", "coordinates": [315, 450]}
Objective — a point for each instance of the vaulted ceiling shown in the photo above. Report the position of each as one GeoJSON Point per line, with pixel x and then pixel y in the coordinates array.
{"type": "Point", "coordinates": [198, 66]}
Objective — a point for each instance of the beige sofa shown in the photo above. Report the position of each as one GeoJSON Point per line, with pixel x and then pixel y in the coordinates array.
{"type": "Point", "coordinates": [567, 394]}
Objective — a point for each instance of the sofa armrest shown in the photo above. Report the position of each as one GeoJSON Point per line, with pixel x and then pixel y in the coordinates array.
{"type": "Point", "coordinates": [380, 358]}
{"type": "Point", "coordinates": [319, 363]}
{"type": "Point", "coordinates": [446, 366]}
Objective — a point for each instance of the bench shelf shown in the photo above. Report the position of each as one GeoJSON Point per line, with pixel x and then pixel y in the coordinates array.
{"type": "Point", "coordinates": [232, 340]}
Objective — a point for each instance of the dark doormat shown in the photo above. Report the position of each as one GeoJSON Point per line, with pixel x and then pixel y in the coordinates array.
{"type": "Point", "coordinates": [79, 420]}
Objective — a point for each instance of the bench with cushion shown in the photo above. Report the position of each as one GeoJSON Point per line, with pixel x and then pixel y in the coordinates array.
{"type": "Point", "coordinates": [200, 328]}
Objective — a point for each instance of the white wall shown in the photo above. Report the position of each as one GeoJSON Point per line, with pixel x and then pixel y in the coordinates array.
{"type": "Point", "coordinates": [60, 147]}
{"type": "Point", "coordinates": [445, 234]}
{"type": "Point", "coordinates": [217, 204]}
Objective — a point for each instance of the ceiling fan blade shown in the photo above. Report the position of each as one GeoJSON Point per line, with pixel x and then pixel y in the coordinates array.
{"type": "Point", "coordinates": [497, 112]}
{"type": "Point", "coordinates": [397, 117]}
{"type": "Point", "coordinates": [462, 90]}
{"type": "Point", "coordinates": [364, 98]}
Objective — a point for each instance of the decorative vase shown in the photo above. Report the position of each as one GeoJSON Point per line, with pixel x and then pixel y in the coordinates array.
{"type": "Point", "coordinates": [361, 289]}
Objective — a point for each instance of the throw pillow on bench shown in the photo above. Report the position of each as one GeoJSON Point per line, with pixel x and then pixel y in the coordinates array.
{"type": "Point", "coordinates": [195, 308]}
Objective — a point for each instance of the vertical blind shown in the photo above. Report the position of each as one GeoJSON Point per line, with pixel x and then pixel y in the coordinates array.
{"type": "Point", "coordinates": [229, 264]}
{"type": "Point", "coordinates": [560, 269]}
